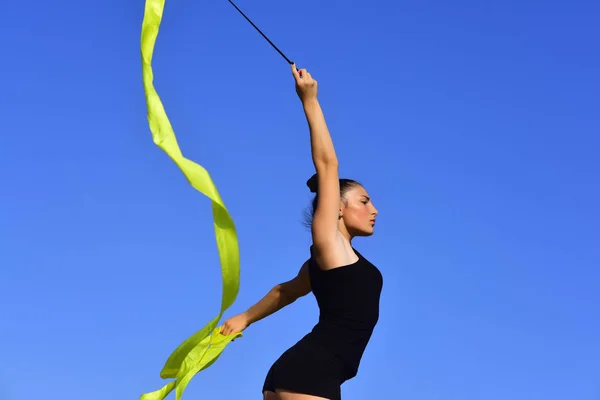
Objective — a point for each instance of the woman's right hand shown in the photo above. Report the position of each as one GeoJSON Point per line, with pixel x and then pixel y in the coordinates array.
{"type": "Point", "coordinates": [234, 325]}
{"type": "Point", "coordinates": [306, 86]}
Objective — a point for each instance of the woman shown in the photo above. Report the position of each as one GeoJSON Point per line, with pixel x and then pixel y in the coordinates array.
{"type": "Point", "coordinates": [346, 286]}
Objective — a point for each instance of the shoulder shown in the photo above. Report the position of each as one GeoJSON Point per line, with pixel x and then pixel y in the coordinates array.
{"type": "Point", "coordinates": [337, 253]}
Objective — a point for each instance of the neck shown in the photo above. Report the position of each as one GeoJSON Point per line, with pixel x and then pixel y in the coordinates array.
{"type": "Point", "coordinates": [344, 231]}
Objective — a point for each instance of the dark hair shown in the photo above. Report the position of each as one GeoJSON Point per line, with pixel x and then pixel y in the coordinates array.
{"type": "Point", "coordinates": [313, 185]}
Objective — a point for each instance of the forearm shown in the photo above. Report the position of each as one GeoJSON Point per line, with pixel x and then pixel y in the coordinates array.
{"type": "Point", "coordinates": [323, 151]}
{"type": "Point", "coordinates": [274, 301]}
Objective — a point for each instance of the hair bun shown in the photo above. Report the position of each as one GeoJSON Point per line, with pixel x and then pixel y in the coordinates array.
{"type": "Point", "coordinates": [313, 183]}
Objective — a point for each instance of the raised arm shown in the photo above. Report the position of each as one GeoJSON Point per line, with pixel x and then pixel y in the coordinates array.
{"type": "Point", "coordinates": [279, 296]}
{"type": "Point", "coordinates": [325, 221]}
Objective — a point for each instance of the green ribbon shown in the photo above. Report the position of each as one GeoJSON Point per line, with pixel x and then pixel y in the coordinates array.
{"type": "Point", "coordinates": [204, 347]}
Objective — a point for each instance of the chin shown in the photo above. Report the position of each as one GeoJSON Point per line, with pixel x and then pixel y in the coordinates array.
{"type": "Point", "coordinates": [365, 233]}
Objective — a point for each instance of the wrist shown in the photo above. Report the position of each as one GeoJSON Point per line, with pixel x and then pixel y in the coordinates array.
{"type": "Point", "coordinates": [246, 316]}
{"type": "Point", "coordinates": [311, 108]}
{"type": "Point", "coordinates": [310, 102]}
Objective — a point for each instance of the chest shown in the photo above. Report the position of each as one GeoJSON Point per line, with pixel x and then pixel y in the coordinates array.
{"type": "Point", "coordinates": [356, 286]}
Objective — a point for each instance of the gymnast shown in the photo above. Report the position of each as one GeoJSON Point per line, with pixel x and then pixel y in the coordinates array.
{"type": "Point", "coordinates": [345, 285]}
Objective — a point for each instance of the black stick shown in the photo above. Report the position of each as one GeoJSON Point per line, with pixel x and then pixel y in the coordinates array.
{"type": "Point", "coordinates": [263, 35]}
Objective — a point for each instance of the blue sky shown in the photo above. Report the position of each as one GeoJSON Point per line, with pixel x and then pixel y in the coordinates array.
{"type": "Point", "coordinates": [474, 126]}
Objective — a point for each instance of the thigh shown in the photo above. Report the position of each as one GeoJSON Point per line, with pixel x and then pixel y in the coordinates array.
{"type": "Point", "coordinates": [285, 395]}
{"type": "Point", "coordinates": [268, 395]}
{"type": "Point", "coordinates": [306, 372]}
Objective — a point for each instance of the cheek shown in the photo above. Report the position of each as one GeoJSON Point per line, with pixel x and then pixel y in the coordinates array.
{"type": "Point", "coordinates": [361, 212]}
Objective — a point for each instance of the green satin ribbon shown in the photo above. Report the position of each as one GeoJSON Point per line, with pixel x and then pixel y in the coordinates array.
{"type": "Point", "coordinates": [205, 346]}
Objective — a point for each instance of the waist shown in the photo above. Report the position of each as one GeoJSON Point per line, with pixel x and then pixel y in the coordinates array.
{"type": "Point", "coordinates": [346, 340]}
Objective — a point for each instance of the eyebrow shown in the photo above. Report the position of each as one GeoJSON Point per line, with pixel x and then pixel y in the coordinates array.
{"type": "Point", "coordinates": [366, 197]}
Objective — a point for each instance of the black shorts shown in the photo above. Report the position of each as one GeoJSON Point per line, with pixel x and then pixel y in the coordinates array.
{"type": "Point", "coordinates": [307, 368]}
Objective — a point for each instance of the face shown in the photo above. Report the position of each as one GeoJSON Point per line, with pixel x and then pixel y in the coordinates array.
{"type": "Point", "coordinates": [358, 212]}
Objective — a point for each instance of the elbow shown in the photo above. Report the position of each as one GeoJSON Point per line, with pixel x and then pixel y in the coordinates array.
{"type": "Point", "coordinates": [279, 295]}
{"type": "Point", "coordinates": [286, 295]}
{"type": "Point", "coordinates": [326, 163]}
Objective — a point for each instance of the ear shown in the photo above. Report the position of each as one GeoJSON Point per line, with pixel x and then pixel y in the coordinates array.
{"type": "Point", "coordinates": [342, 207]}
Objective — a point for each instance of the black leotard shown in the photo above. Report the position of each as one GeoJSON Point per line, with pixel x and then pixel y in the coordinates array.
{"type": "Point", "coordinates": [348, 299]}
